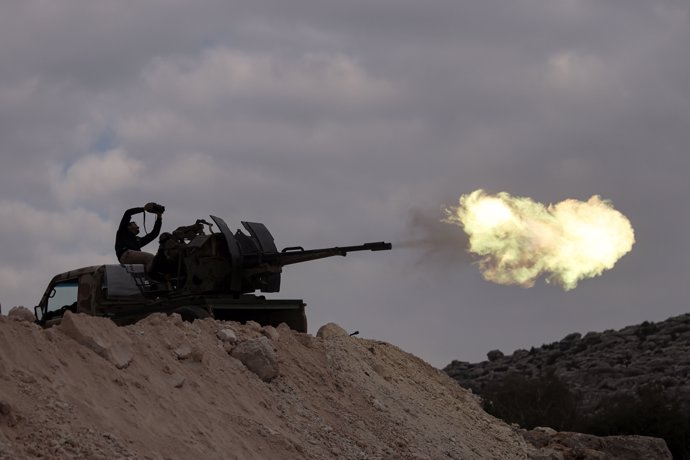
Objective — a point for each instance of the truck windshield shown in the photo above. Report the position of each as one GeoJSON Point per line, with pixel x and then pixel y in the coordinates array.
{"type": "Point", "coordinates": [65, 294]}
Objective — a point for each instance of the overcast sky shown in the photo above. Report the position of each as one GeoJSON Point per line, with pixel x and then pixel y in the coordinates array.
{"type": "Point", "coordinates": [344, 122]}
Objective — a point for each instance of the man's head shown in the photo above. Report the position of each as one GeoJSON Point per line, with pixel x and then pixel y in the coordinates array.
{"type": "Point", "coordinates": [133, 227]}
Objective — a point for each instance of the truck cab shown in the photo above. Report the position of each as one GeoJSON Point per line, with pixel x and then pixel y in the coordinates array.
{"type": "Point", "coordinates": [99, 290]}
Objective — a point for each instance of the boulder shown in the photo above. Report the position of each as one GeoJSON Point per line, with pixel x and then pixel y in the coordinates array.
{"type": "Point", "coordinates": [100, 335]}
{"type": "Point", "coordinates": [21, 313]}
{"type": "Point", "coordinates": [568, 445]}
{"type": "Point", "coordinates": [331, 330]}
{"type": "Point", "coordinates": [259, 357]}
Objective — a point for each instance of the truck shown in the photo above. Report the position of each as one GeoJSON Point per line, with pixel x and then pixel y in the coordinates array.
{"type": "Point", "coordinates": [197, 272]}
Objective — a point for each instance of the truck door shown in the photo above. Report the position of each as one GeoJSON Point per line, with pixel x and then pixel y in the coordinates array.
{"type": "Point", "coordinates": [61, 298]}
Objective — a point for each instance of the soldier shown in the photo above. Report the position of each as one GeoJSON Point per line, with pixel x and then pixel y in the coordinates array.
{"type": "Point", "coordinates": [128, 245]}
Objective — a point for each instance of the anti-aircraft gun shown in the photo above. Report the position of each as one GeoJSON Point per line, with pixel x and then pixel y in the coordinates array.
{"type": "Point", "coordinates": [195, 274]}
{"type": "Point", "coordinates": [235, 264]}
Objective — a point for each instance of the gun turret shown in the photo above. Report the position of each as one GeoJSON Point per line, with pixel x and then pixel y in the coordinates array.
{"type": "Point", "coordinates": [234, 263]}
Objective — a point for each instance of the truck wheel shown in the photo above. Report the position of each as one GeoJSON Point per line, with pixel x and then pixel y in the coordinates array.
{"type": "Point", "coordinates": [189, 314]}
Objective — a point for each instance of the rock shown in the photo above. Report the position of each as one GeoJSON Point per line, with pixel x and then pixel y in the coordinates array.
{"type": "Point", "coordinates": [331, 330]}
{"type": "Point", "coordinates": [572, 337]}
{"type": "Point", "coordinates": [156, 319]}
{"type": "Point", "coordinates": [521, 353]}
{"type": "Point", "coordinates": [183, 352]}
{"type": "Point", "coordinates": [544, 430]}
{"type": "Point", "coordinates": [494, 355]}
{"type": "Point", "coordinates": [120, 355]}
{"type": "Point", "coordinates": [271, 333]}
{"type": "Point", "coordinates": [21, 313]}
{"type": "Point", "coordinates": [100, 335]}
{"type": "Point", "coordinates": [589, 447]}
{"type": "Point", "coordinates": [383, 371]}
{"type": "Point", "coordinates": [7, 414]}
{"type": "Point", "coordinates": [227, 336]}
{"type": "Point", "coordinates": [378, 404]}
{"type": "Point", "coordinates": [177, 380]}
{"type": "Point", "coordinates": [259, 357]}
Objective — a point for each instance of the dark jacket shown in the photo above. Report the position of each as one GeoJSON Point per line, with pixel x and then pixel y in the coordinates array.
{"type": "Point", "coordinates": [124, 239]}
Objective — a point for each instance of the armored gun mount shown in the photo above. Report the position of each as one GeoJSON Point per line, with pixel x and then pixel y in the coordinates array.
{"type": "Point", "coordinates": [191, 261]}
{"type": "Point", "coordinates": [194, 274]}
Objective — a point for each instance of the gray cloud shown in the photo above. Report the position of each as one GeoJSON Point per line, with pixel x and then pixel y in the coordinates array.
{"type": "Point", "coordinates": [341, 123]}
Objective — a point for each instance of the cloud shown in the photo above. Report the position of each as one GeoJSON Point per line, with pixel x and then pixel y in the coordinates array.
{"type": "Point", "coordinates": [221, 76]}
{"type": "Point", "coordinates": [71, 228]}
{"type": "Point", "coordinates": [573, 71]}
{"type": "Point", "coordinates": [37, 244]}
{"type": "Point", "coordinates": [96, 177]}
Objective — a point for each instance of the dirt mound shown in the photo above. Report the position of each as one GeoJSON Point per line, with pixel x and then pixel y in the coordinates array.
{"type": "Point", "coordinates": [168, 389]}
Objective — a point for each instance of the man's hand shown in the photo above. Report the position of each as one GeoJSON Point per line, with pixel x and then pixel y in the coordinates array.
{"type": "Point", "coordinates": [154, 208]}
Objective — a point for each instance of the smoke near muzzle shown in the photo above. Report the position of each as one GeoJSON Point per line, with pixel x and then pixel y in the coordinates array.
{"type": "Point", "coordinates": [436, 241]}
{"type": "Point", "coordinates": [518, 240]}
{"type": "Point", "coordinates": [515, 240]}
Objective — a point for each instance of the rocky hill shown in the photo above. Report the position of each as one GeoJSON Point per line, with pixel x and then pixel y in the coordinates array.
{"type": "Point", "coordinates": [164, 389]}
{"type": "Point", "coordinates": [598, 365]}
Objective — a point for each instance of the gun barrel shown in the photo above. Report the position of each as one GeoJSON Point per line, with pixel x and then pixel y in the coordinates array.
{"type": "Point", "coordinates": [378, 246]}
{"type": "Point", "coordinates": [297, 254]}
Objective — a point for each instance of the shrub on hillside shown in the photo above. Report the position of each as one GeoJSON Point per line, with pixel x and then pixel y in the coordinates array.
{"type": "Point", "coordinates": [547, 401]}
{"type": "Point", "coordinates": [650, 412]}
{"type": "Point", "coordinates": [530, 402]}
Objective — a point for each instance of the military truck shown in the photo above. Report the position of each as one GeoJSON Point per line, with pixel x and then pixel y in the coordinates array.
{"type": "Point", "coordinates": [195, 274]}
